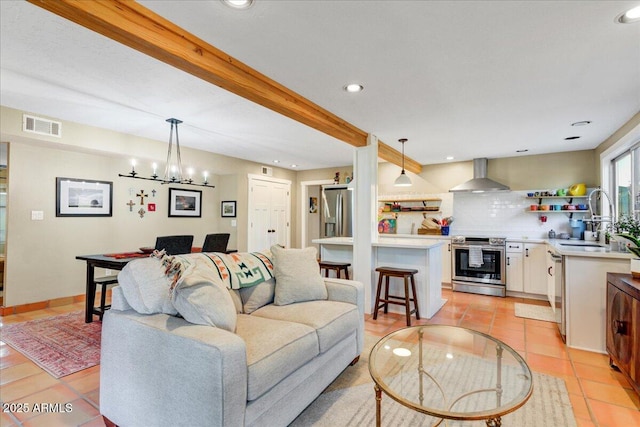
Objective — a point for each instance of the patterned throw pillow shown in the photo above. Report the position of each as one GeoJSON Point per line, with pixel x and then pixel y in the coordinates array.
{"type": "Point", "coordinates": [297, 275]}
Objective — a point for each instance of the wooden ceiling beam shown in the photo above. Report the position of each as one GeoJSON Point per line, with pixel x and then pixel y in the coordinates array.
{"type": "Point", "coordinates": [394, 156]}
{"type": "Point", "coordinates": [133, 25]}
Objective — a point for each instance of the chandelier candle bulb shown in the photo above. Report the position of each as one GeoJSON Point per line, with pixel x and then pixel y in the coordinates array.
{"type": "Point", "coordinates": [155, 170]}
{"type": "Point", "coordinates": [133, 167]}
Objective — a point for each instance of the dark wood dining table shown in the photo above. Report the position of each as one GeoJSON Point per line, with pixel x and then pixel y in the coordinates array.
{"type": "Point", "coordinates": [109, 261]}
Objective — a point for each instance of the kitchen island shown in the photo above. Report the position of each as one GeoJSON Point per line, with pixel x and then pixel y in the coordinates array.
{"type": "Point", "coordinates": [584, 283]}
{"type": "Point", "coordinates": [420, 254]}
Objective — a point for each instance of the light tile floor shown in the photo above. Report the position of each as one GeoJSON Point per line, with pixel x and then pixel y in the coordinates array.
{"type": "Point", "coordinates": [600, 396]}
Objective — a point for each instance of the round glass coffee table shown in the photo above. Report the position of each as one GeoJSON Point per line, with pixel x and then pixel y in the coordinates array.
{"type": "Point", "coordinates": [450, 372]}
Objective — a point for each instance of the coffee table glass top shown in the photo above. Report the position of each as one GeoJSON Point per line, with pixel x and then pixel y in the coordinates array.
{"type": "Point", "coordinates": [450, 372]}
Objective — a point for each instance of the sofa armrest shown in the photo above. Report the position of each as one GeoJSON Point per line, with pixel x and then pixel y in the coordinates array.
{"type": "Point", "coordinates": [162, 370]}
{"type": "Point", "coordinates": [352, 292]}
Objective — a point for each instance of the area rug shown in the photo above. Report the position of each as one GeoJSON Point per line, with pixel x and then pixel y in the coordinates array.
{"type": "Point", "coordinates": [536, 312]}
{"type": "Point", "coordinates": [61, 345]}
{"type": "Point", "coordinates": [350, 401]}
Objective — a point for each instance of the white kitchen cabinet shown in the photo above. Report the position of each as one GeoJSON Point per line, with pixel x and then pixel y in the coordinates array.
{"type": "Point", "coordinates": [446, 260]}
{"type": "Point", "coordinates": [535, 267]}
{"type": "Point", "coordinates": [515, 268]}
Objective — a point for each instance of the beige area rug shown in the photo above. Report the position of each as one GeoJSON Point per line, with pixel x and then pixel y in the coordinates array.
{"type": "Point", "coordinates": [350, 401]}
{"type": "Point", "coordinates": [536, 312]}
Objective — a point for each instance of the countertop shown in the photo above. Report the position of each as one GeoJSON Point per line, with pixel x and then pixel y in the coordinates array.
{"type": "Point", "coordinates": [583, 248]}
{"type": "Point", "coordinates": [384, 242]}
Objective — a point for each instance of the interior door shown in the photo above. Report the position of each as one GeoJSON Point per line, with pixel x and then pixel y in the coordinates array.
{"type": "Point", "coordinates": [278, 214]}
{"type": "Point", "coordinates": [259, 216]}
{"type": "Point", "coordinates": [269, 213]}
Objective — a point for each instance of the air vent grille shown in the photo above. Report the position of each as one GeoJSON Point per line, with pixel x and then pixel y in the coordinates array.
{"type": "Point", "coordinates": [41, 126]}
{"type": "Point", "coordinates": [266, 170]}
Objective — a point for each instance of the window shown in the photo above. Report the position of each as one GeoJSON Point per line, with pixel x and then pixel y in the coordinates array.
{"type": "Point", "coordinates": [626, 182]}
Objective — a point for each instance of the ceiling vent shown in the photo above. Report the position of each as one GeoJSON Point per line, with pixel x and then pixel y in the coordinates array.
{"type": "Point", "coordinates": [41, 126]}
{"type": "Point", "coordinates": [266, 170]}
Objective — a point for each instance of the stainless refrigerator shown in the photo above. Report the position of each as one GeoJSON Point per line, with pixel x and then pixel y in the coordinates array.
{"type": "Point", "coordinates": [336, 219]}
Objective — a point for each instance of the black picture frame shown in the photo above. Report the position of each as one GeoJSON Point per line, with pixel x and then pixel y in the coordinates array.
{"type": "Point", "coordinates": [228, 209]}
{"type": "Point", "coordinates": [185, 203]}
{"type": "Point", "coordinates": [83, 197]}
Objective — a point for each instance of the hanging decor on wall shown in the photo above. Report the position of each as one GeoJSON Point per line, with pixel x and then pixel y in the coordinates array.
{"type": "Point", "coordinates": [80, 197]}
{"type": "Point", "coordinates": [173, 172]}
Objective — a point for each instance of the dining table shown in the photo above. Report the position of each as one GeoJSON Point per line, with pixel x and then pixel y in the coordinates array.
{"type": "Point", "coordinates": [107, 261]}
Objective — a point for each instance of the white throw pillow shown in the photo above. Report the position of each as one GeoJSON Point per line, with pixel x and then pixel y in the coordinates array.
{"type": "Point", "coordinates": [257, 296]}
{"type": "Point", "coordinates": [201, 297]}
{"type": "Point", "coordinates": [146, 287]}
{"type": "Point", "coordinates": [297, 275]}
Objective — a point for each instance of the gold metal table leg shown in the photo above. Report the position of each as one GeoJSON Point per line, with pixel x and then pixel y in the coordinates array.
{"type": "Point", "coordinates": [378, 401]}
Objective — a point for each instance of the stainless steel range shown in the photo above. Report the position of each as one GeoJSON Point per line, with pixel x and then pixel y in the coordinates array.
{"type": "Point", "coordinates": [479, 265]}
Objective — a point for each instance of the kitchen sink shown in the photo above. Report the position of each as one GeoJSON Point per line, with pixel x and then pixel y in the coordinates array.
{"type": "Point", "coordinates": [584, 245]}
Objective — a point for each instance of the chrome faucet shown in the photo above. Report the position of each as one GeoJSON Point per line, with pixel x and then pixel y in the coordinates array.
{"type": "Point", "coordinates": [599, 219]}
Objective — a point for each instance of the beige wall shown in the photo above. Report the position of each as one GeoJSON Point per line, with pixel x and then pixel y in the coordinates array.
{"type": "Point", "coordinates": [519, 173]}
{"type": "Point", "coordinates": [40, 263]}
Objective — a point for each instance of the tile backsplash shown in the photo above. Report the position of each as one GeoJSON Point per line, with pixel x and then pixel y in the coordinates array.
{"type": "Point", "coordinates": [504, 214]}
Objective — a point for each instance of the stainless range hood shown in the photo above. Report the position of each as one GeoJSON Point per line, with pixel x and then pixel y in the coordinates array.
{"type": "Point", "coordinates": [480, 183]}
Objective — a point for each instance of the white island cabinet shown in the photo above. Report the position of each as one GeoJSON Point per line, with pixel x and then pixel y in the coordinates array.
{"type": "Point", "coordinates": [420, 254]}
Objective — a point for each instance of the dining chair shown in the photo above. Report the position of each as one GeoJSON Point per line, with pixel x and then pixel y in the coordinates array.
{"type": "Point", "coordinates": [216, 242]}
{"type": "Point", "coordinates": [174, 245]}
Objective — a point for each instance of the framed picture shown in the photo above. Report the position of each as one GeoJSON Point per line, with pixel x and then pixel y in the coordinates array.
{"type": "Point", "coordinates": [313, 205]}
{"type": "Point", "coordinates": [83, 197]}
{"type": "Point", "coordinates": [185, 203]}
{"type": "Point", "coordinates": [228, 209]}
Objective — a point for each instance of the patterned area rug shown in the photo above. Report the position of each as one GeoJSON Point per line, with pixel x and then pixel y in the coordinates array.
{"type": "Point", "coordinates": [536, 312]}
{"type": "Point", "coordinates": [61, 345]}
{"type": "Point", "coordinates": [350, 401]}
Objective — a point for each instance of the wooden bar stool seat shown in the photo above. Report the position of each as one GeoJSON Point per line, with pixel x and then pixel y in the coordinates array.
{"type": "Point", "coordinates": [408, 275]}
{"type": "Point", "coordinates": [104, 282]}
{"type": "Point", "coordinates": [338, 267]}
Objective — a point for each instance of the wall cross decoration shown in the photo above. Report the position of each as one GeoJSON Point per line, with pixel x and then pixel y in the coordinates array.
{"type": "Point", "coordinates": [153, 192]}
{"type": "Point", "coordinates": [142, 196]}
{"type": "Point", "coordinates": [141, 212]}
{"type": "Point", "coordinates": [131, 205]}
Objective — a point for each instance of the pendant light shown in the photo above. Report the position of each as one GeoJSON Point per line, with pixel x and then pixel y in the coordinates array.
{"type": "Point", "coordinates": [403, 180]}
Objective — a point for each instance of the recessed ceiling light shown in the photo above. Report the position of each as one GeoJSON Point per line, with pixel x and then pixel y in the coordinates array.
{"type": "Point", "coordinates": [524, 150]}
{"type": "Point", "coordinates": [582, 123]}
{"type": "Point", "coordinates": [238, 4]}
{"type": "Point", "coordinates": [276, 161]}
{"type": "Point", "coordinates": [353, 87]}
{"type": "Point", "coordinates": [569, 138]}
{"type": "Point", "coordinates": [449, 157]}
{"type": "Point", "coordinates": [630, 16]}
{"type": "Point", "coordinates": [294, 166]}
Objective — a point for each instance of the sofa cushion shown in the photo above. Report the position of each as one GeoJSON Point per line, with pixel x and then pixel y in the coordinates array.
{"type": "Point", "coordinates": [297, 275]}
{"type": "Point", "coordinates": [331, 320]}
{"type": "Point", "coordinates": [201, 297]}
{"type": "Point", "coordinates": [146, 286]}
{"type": "Point", "coordinates": [237, 300]}
{"type": "Point", "coordinates": [275, 349]}
{"type": "Point", "coordinates": [257, 296]}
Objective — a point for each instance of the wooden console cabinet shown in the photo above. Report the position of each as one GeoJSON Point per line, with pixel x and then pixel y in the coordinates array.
{"type": "Point", "coordinates": [623, 325]}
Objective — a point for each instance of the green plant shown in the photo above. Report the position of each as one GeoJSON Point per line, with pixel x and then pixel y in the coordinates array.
{"type": "Point", "coordinates": [628, 227]}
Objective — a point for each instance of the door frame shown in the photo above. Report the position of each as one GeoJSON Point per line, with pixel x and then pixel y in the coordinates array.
{"type": "Point", "coordinates": [250, 180]}
{"type": "Point", "coordinates": [304, 205]}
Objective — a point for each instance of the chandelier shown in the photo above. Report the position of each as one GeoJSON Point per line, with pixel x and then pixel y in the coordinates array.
{"type": "Point", "coordinates": [173, 168]}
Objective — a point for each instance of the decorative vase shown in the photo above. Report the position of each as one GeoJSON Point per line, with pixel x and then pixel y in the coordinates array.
{"type": "Point", "coordinates": [635, 268]}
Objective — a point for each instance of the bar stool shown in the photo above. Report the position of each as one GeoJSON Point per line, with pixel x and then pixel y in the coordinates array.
{"type": "Point", "coordinates": [104, 282]}
{"type": "Point", "coordinates": [335, 266]}
{"type": "Point", "coordinates": [406, 274]}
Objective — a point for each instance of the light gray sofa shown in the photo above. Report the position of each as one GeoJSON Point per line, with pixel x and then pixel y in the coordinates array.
{"type": "Point", "coordinates": [160, 370]}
